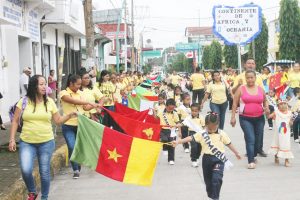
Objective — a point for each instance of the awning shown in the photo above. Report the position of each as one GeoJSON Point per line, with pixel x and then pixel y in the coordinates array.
{"type": "Point", "coordinates": [280, 62]}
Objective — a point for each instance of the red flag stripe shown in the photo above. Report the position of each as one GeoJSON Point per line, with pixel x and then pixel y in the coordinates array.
{"type": "Point", "coordinates": [112, 142]}
{"type": "Point", "coordinates": [136, 128]}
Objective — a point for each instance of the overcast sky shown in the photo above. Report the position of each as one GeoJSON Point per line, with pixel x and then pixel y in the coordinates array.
{"type": "Point", "coordinates": [164, 21]}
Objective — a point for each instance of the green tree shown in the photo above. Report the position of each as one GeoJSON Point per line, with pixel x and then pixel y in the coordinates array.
{"type": "Point", "coordinates": [206, 57]}
{"type": "Point", "coordinates": [147, 68]}
{"type": "Point", "coordinates": [188, 65]}
{"type": "Point", "coordinates": [178, 62]}
{"type": "Point", "coordinates": [289, 37]}
{"type": "Point", "coordinates": [231, 56]}
{"type": "Point", "coordinates": [215, 57]}
{"type": "Point", "coordinates": [260, 47]}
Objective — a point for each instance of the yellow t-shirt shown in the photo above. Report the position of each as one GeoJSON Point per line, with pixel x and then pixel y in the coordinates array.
{"type": "Point", "coordinates": [265, 76]}
{"type": "Point", "coordinates": [218, 139]}
{"type": "Point", "coordinates": [198, 120]}
{"type": "Point", "coordinates": [69, 108]}
{"type": "Point", "coordinates": [218, 92]}
{"type": "Point", "coordinates": [91, 95]}
{"type": "Point", "coordinates": [296, 107]}
{"type": "Point", "coordinates": [37, 127]}
{"type": "Point", "coordinates": [119, 86]}
{"type": "Point", "coordinates": [183, 111]}
{"type": "Point", "coordinates": [294, 79]}
{"type": "Point", "coordinates": [259, 80]}
{"type": "Point", "coordinates": [107, 89]}
{"type": "Point", "coordinates": [175, 79]}
{"type": "Point", "coordinates": [197, 80]}
{"type": "Point", "coordinates": [159, 108]}
{"type": "Point", "coordinates": [172, 118]}
{"type": "Point", "coordinates": [139, 80]}
{"type": "Point", "coordinates": [170, 94]}
{"type": "Point", "coordinates": [177, 99]}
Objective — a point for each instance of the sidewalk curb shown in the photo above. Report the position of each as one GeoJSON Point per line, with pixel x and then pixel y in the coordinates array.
{"type": "Point", "coordinates": [18, 190]}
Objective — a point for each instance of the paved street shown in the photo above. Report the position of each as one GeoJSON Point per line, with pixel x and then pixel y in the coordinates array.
{"type": "Point", "coordinates": [184, 182]}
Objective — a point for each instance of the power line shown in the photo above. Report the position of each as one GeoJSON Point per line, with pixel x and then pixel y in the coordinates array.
{"type": "Point", "coordinates": [193, 18]}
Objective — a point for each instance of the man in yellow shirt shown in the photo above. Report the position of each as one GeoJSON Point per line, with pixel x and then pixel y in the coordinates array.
{"type": "Point", "coordinates": [175, 78]}
{"type": "Point", "coordinates": [241, 79]}
{"type": "Point", "coordinates": [198, 83]}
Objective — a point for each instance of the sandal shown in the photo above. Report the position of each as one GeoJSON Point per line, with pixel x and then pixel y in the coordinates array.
{"type": "Point", "coordinates": [287, 163]}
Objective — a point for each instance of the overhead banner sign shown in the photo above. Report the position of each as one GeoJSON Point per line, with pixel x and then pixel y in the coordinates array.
{"type": "Point", "coordinates": [151, 54]}
{"type": "Point", "coordinates": [237, 25]}
{"type": "Point", "coordinates": [185, 47]}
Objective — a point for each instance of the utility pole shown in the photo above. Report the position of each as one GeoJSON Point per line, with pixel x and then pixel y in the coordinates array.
{"type": "Point", "coordinates": [89, 33]}
{"type": "Point", "coordinates": [198, 44]}
{"type": "Point", "coordinates": [253, 49]}
{"type": "Point", "coordinates": [125, 30]}
{"type": "Point", "coordinates": [132, 43]}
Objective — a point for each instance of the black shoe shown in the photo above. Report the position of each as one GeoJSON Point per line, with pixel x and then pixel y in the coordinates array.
{"type": "Point", "coordinates": [3, 128]}
{"type": "Point", "coordinates": [262, 154]}
{"type": "Point", "coordinates": [76, 175]}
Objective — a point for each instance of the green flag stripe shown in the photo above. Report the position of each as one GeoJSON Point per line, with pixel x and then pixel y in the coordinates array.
{"type": "Point", "coordinates": [87, 146]}
{"type": "Point", "coordinates": [134, 102]}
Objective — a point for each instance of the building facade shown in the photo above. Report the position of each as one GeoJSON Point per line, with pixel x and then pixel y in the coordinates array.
{"type": "Point", "coordinates": [273, 43]}
{"type": "Point", "coordinates": [32, 34]}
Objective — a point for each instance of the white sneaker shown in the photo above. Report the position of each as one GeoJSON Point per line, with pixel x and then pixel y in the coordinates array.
{"type": "Point", "coordinates": [194, 164]}
{"type": "Point", "coordinates": [171, 162]}
{"type": "Point", "coordinates": [297, 140]}
{"type": "Point", "coordinates": [165, 153]}
{"type": "Point", "coordinates": [270, 128]}
{"type": "Point", "coordinates": [187, 150]}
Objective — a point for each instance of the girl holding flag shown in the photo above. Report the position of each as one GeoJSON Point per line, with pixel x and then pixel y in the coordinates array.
{"type": "Point", "coordinates": [212, 141]}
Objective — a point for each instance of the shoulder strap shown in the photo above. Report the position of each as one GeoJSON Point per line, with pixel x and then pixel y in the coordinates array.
{"type": "Point", "coordinates": [24, 104]}
{"type": "Point", "coordinates": [165, 118]}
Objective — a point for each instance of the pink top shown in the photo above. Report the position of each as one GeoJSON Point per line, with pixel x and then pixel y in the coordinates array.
{"type": "Point", "coordinates": [251, 105]}
{"type": "Point", "coordinates": [52, 85]}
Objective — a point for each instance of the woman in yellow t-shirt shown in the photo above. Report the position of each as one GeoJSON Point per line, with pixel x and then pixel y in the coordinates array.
{"type": "Point", "coordinates": [217, 90]}
{"type": "Point", "coordinates": [294, 79]}
{"type": "Point", "coordinates": [91, 94]}
{"type": "Point", "coordinates": [36, 139]}
{"type": "Point", "coordinates": [108, 89]}
{"type": "Point", "coordinates": [73, 100]}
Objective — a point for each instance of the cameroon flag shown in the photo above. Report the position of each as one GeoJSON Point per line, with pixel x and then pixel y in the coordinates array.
{"type": "Point", "coordinates": [136, 128]}
{"type": "Point", "coordinates": [115, 155]}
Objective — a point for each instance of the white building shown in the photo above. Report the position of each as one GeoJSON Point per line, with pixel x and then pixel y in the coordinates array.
{"type": "Point", "coordinates": [21, 41]}
{"type": "Point", "coordinates": [273, 43]}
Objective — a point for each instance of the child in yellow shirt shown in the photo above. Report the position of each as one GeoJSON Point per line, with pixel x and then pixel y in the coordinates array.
{"type": "Point", "coordinates": [170, 121]}
{"type": "Point", "coordinates": [212, 141]}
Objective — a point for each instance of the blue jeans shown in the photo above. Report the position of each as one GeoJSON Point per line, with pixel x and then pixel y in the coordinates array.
{"type": "Point", "coordinates": [213, 170]}
{"type": "Point", "coordinates": [27, 155]}
{"type": "Point", "coordinates": [221, 110]}
{"type": "Point", "coordinates": [253, 128]}
{"type": "Point", "coordinates": [70, 133]}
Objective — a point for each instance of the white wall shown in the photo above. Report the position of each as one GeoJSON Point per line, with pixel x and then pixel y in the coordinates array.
{"type": "Point", "coordinates": [69, 12]}
{"type": "Point", "coordinates": [11, 74]}
{"type": "Point", "coordinates": [272, 43]}
{"type": "Point", "coordinates": [25, 52]}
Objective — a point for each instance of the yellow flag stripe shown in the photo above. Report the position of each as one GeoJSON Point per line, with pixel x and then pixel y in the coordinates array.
{"type": "Point", "coordinates": [142, 162]}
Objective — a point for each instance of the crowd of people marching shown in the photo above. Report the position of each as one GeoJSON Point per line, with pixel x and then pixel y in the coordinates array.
{"type": "Point", "coordinates": [180, 99]}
